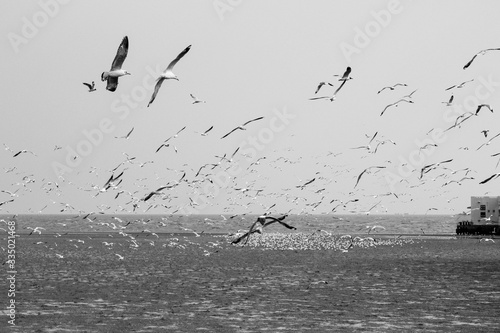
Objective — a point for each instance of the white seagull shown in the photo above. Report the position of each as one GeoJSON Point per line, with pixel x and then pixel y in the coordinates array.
{"type": "Point", "coordinates": [392, 87]}
{"type": "Point", "coordinates": [242, 127]}
{"type": "Point", "coordinates": [196, 100]}
{"type": "Point", "coordinates": [116, 67]}
{"type": "Point", "coordinates": [168, 74]}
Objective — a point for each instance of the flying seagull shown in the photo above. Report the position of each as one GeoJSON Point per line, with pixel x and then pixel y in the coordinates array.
{"type": "Point", "coordinates": [480, 106]}
{"type": "Point", "coordinates": [242, 127]}
{"type": "Point", "coordinates": [116, 67]}
{"type": "Point", "coordinates": [461, 85]}
{"type": "Point", "coordinates": [168, 74]}
{"type": "Point", "coordinates": [487, 143]}
{"type": "Point", "coordinates": [196, 100]}
{"type": "Point", "coordinates": [345, 76]}
{"type": "Point", "coordinates": [91, 86]}
{"type": "Point", "coordinates": [321, 84]}
{"type": "Point", "coordinates": [264, 223]}
{"type": "Point", "coordinates": [125, 136]}
{"type": "Point", "coordinates": [429, 167]}
{"type": "Point", "coordinates": [367, 170]}
{"type": "Point", "coordinates": [449, 101]}
{"type": "Point", "coordinates": [206, 132]}
{"type": "Point", "coordinates": [158, 191]}
{"type": "Point", "coordinates": [395, 104]}
{"type": "Point", "coordinates": [392, 87]}
{"type": "Point", "coordinates": [24, 151]}
{"type": "Point", "coordinates": [305, 184]}
{"type": "Point", "coordinates": [479, 53]}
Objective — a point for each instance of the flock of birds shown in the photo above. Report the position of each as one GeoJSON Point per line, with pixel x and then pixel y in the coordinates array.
{"type": "Point", "coordinates": [243, 192]}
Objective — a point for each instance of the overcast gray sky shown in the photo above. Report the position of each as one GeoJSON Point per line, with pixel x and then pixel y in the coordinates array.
{"type": "Point", "coordinates": [248, 59]}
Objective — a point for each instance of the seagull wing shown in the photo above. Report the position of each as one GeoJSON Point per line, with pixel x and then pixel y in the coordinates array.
{"type": "Point", "coordinates": [321, 84]}
{"type": "Point", "coordinates": [322, 97]}
{"type": "Point", "coordinates": [248, 122]}
{"type": "Point", "coordinates": [359, 177]}
{"type": "Point", "coordinates": [208, 130]}
{"type": "Point", "coordinates": [182, 54]}
{"type": "Point", "coordinates": [128, 134]}
{"type": "Point", "coordinates": [17, 154]}
{"type": "Point", "coordinates": [121, 54]}
{"type": "Point", "coordinates": [470, 61]}
{"type": "Point", "coordinates": [489, 178]}
{"type": "Point", "coordinates": [112, 83]}
{"type": "Point", "coordinates": [338, 89]}
{"type": "Point", "coordinates": [182, 129]}
{"type": "Point", "coordinates": [373, 137]}
{"type": "Point", "coordinates": [157, 87]}
{"type": "Point", "coordinates": [234, 129]}
{"type": "Point", "coordinates": [162, 145]}
{"type": "Point", "coordinates": [88, 85]}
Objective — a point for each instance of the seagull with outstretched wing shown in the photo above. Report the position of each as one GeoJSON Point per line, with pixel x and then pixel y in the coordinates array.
{"type": "Point", "coordinates": [242, 127]}
{"type": "Point", "coordinates": [168, 74]}
{"type": "Point", "coordinates": [116, 67]}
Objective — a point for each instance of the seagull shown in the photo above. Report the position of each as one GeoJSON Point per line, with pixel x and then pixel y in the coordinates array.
{"type": "Point", "coordinates": [242, 127]}
{"type": "Point", "coordinates": [91, 86]}
{"type": "Point", "coordinates": [485, 106]}
{"type": "Point", "coordinates": [465, 116]}
{"type": "Point", "coordinates": [427, 146]}
{"type": "Point", "coordinates": [485, 133]}
{"type": "Point", "coordinates": [392, 87]}
{"type": "Point", "coordinates": [395, 104]}
{"type": "Point", "coordinates": [120, 257]}
{"type": "Point", "coordinates": [23, 152]}
{"type": "Point", "coordinates": [449, 102]}
{"type": "Point", "coordinates": [479, 53]}
{"type": "Point", "coordinates": [176, 134]}
{"type": "Point", "coordinates": [206, 132]}
{"type": "Point", "coordinates": [459, 182]}
{"type": "Point", "coordinates": [321, 84]}
{"type": "Point", "coordinates": [37, 229]}
{"type": "Point", "coordinates": [196, 100]}
{"type": "Point", "coordinates": [147, 197]}
{"type": "Point", "coordinates": [305, 184]}
{"type": "Point", "coordinates": [126, 136]}
{"type": "Point", "coordinates": [461, 85]}
{"type": "Point", "coordinates": [429, 167]}
{"type": "Point", "coordinates": [367, 170]}
{"type": "Point", "coordinates": [345, 76]}
{"type": "Point", "coordinates": [116, 67]}
{"type": "Point", "coordinates": [168, 74]}
{"type": "Point", "coordinates": [487, 143]}
{"type": "Point", "coordinates": [262, 220]}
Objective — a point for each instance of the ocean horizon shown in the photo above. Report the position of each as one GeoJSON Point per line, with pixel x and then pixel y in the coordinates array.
{"type": "Point", "coordinates": [226, 223]}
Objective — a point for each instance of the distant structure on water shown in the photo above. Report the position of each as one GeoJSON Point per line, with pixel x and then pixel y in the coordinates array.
{"type": "Point", "coordinates": [484, 217]}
